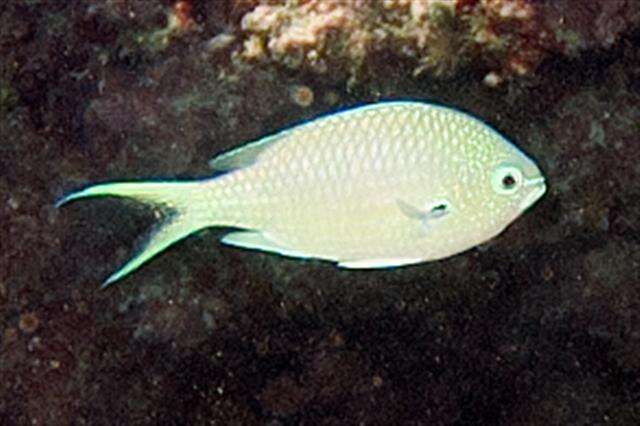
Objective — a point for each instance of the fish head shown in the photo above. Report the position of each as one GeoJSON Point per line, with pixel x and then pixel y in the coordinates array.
{"type": "Point", "coordinates": [513, 183]}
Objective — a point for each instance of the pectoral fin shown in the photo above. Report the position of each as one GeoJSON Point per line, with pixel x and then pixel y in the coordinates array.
{"type": "Point", "coordinates": [410, 211]}
{"type": "Point", "coordinates": [428, 216]}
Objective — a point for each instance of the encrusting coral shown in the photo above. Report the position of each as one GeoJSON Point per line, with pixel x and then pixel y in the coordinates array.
{"type": "Point", "coordinates": [505, 38]}
{"type": "Point", "coordinates": [499, 39]}
{"type": "Point", "coordinates": [440, 35]}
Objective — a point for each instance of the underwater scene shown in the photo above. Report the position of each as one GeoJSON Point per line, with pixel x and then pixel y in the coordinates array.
{"type": "Point", "coordinates": [320, 212]}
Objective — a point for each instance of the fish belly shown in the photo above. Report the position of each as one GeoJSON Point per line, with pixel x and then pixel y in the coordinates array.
{"type": "Point", "coordinates": [327, 220]}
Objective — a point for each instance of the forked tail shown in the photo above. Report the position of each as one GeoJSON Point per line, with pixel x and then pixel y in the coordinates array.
{"type": "Point", "coordinates": [185, 199]}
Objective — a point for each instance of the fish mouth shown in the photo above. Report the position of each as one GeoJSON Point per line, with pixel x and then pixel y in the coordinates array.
{"type": "Point", "coordinates": [538, 189]}
{"type": "Point", "coordinates": [536, 181]}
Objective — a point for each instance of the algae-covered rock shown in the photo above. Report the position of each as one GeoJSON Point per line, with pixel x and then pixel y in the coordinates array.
{"type": "Point", "coordinates": [8, 97]}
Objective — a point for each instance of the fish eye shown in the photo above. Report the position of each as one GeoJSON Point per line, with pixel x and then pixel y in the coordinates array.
{"type": "Point", "coordinates": [506, 179]}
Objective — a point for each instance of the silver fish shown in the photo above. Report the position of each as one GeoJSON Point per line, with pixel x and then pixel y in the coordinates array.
{"type": "Point", "coordinates": [383, 185]}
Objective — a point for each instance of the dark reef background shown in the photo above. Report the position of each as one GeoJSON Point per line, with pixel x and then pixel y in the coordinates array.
{"type": "Point", "coordinates": [540, 326]}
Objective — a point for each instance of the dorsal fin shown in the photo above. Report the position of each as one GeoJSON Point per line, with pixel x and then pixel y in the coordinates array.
{"type": "Point", "coordinates": [245, 155]}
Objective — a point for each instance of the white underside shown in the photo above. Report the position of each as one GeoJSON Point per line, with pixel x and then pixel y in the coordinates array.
{"type": "Point", "coordinates": [257, 241]}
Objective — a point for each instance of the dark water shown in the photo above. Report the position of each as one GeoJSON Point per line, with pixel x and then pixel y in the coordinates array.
{"type": "Point", "coordinates": [539, 326]}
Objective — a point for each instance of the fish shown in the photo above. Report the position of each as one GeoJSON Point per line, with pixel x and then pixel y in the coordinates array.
{"type": "Point", "coordinates": [382, 185]}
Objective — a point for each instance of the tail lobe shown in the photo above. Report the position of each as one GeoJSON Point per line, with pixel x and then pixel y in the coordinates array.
{"type": "Point", "coordinates": [185, 199]}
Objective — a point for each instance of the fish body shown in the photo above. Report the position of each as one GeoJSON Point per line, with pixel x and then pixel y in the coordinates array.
{"type": "Point", "coordinates": [383, 185]}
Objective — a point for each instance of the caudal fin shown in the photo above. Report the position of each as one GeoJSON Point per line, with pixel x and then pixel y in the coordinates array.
{"type": "Point", "coordinates": [185, 199]}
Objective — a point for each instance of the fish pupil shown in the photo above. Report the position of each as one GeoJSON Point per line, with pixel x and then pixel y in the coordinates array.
{"type": "Point", "coordinates": [508, 181]}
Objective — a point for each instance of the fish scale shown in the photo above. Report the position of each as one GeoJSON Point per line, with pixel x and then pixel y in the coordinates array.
{"type": "Point", "coordinates": [383, 185]}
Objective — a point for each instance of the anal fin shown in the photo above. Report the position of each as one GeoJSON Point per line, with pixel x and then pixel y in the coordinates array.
{"type": "Point", "coordinates": [257, 241]}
